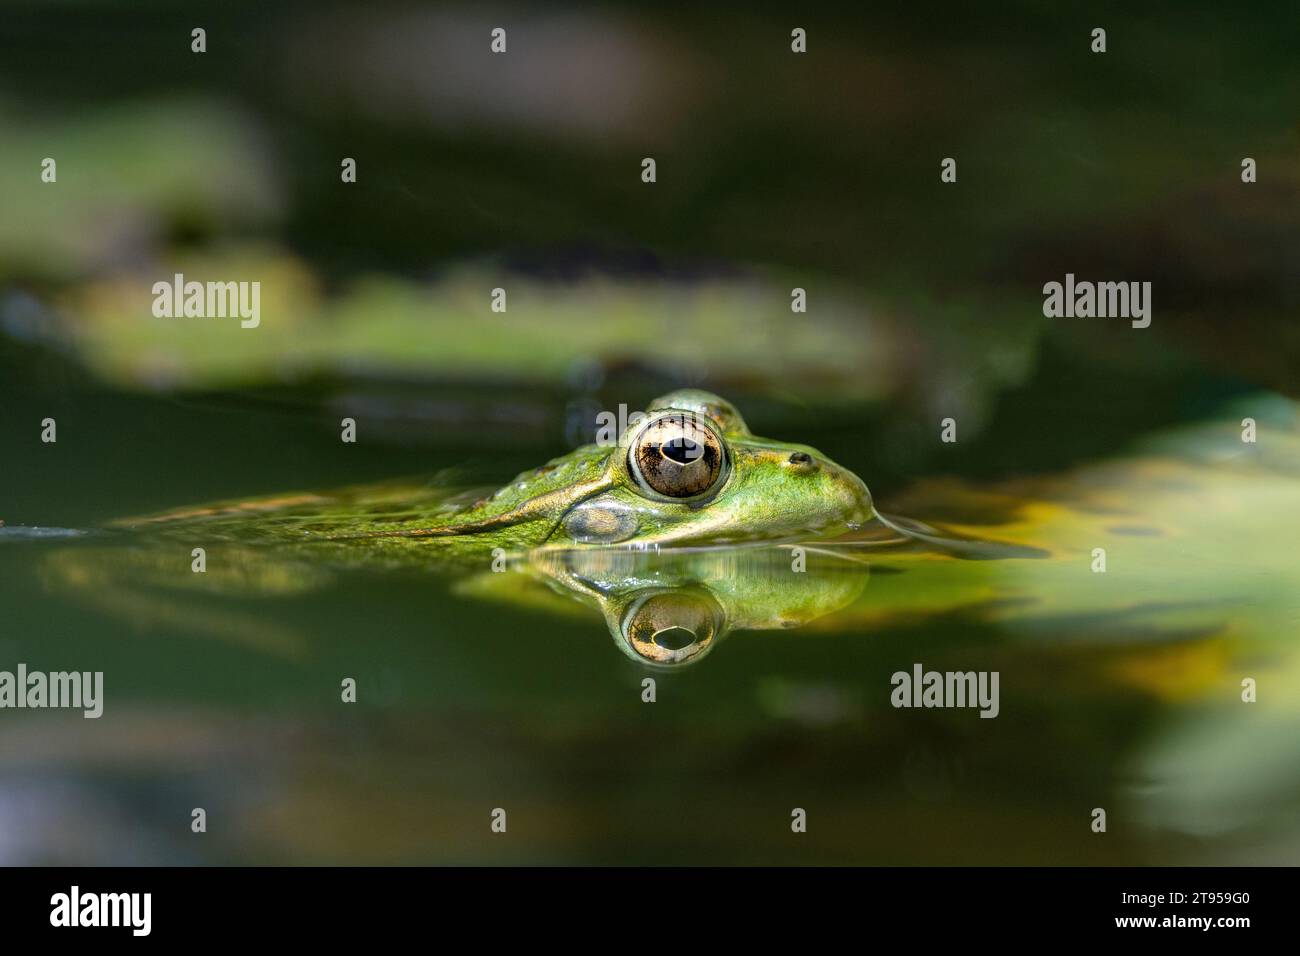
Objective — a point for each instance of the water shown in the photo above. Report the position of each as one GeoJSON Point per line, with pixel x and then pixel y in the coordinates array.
{"type": "Point", "coordinates": [523, 689]}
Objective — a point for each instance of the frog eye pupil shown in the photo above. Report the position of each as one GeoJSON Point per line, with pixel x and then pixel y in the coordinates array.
{"type": "Point", "coordinates": [682, 450]}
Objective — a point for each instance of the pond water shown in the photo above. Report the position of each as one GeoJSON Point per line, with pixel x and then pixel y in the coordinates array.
{"type": "Point", "coordinates": [525, 689]}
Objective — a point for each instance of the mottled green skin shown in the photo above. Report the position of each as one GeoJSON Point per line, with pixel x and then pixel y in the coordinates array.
{"type": "Point", "coordinates": [572, 501]}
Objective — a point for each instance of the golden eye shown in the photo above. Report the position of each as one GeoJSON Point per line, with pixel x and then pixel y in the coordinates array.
{"type": "Point", "coordinates": [672, 627]}
{"type": "Point", "coordinates": [678, 456]}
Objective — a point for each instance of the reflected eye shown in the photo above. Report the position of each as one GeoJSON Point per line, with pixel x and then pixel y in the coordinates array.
{"type": "Point", "coordinates": [678, 456]}
{"type": "Point", "coordinates": [673, 626]}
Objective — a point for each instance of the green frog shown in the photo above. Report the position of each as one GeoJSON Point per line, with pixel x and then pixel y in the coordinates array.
{"type": "Point", "coordinates": [689, 472]}
{"type": "Point", "coordinates": [686, 477]}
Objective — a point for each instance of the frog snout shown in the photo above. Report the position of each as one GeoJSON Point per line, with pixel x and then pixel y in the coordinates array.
{"type": "Point", "coordinates": [840, 492]}
{"type": "Point", "coordinates": [851, 495]}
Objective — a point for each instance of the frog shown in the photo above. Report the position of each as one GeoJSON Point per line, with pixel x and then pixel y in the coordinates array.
{"type": "Point", "coordinates": [687, 472]}
{"type": "Point", "coordinates": [686, 476]}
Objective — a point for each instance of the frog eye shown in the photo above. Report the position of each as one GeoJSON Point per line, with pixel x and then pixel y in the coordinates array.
{"type": "Point", "coordinates": [672, 626]}
{"type": "Point", "coordinates": [677, 456]}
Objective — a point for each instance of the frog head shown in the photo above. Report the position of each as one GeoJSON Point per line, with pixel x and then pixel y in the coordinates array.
{"type": "Point", "coordinates": [691, 472]}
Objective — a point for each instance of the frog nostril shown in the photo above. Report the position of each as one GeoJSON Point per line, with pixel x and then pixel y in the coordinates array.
{"type": "Point", "coordinates": [800, 458]}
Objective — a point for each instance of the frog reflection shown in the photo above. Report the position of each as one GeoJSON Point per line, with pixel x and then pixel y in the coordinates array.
{"type": "Point", "coordinates": [663, 608]}
{"type": "Point", "coordinates": [671, 608]}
